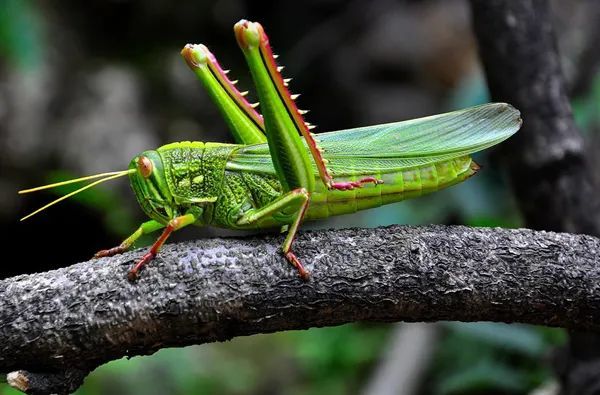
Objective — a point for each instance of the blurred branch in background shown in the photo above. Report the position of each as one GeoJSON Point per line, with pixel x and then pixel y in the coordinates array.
{"type": "Point", "coordinates": [552, 177]}
{"type": "Point", "coordinates": [77, 318]}
{"type": "Point", "coordinates": [546, 160]}
{"type": "Point", "coordinates": [588, 61]}
{"type": "Point", "coordinates": [405, 361]}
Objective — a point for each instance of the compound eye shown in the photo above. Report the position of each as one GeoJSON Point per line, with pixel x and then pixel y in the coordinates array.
{"type": "Point", "coordinates": [144, 166]}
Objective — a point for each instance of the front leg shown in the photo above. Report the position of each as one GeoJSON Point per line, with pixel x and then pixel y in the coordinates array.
{"type": "Point", "coordinates": [283, 120]}
{"type": "Point", "coordinates": [144, 229]}
{"type": "Point", "coordinates": [289, 208]}
{"type": "Point", "coordinates": [173, 225]}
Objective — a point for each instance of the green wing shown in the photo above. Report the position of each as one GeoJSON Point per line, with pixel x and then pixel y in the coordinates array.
{"type": "Point", "coordinates": [401, 145]}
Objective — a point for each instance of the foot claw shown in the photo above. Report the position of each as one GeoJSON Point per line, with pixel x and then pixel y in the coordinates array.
{"type": "Point", "coordinates": [302, 272]}
{"type": "Point", "coordinates": [133, 274]}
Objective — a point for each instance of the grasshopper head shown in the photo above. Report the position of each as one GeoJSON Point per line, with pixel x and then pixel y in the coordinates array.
{"type": "Point", "coordinates": [150, 186]}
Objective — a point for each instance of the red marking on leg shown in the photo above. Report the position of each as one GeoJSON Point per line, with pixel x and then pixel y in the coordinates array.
{"type": "Point", "coordinates": [348, 185]}
{"type": "Point", "coordinates": [291, 257]}
{"type": "Point", "coordinates": [134, 272]}
{"type": "Point", "coordinates": [211, 61]}
{"type": "Point", "coordinates": [232, 90]}
{"type": "Point", "coordinates": [277, 78]}
{"type": "Point", "coordinates": [111, 251]}
{"type": "Point", "coordinates": [281, 86]}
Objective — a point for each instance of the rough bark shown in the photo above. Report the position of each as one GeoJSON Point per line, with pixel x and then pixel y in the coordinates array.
{"type": "Point", "coordinates": [553, 180]}
{"type": "Point", "coordinates": [81, 316]}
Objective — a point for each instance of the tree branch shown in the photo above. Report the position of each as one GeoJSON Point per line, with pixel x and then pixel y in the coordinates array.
{"type": "Point", "coordinates": [81, 316]}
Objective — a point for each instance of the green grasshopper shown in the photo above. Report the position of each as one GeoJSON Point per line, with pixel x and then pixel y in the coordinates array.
{"type": "Point", "coordinates": [279, 173]}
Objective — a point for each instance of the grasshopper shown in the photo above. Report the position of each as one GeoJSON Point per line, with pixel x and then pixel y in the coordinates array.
{"type": "Point", "coordinates": [279, 173]}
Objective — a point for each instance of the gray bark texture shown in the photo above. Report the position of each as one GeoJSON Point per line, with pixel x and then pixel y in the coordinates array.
{"type": "Point", "coordinates": [552, 176]}
{"type": "Point", "coordinates": [57, 326]}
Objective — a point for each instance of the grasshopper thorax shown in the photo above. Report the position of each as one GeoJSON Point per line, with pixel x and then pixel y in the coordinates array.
{"type": "Point", "coordinates": [150, 186]}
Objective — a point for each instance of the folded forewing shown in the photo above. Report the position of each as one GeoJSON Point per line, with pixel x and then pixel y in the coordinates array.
{"type": "Point", "coordinates": [401, 145]}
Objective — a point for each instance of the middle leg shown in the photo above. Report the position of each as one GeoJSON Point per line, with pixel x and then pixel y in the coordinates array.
{"type": "Point", "coordinates": [144, 229]}
{"type": "Point", "coordinates": [290, 209]}
{"type": "Point", "coordinates": [173, 225]}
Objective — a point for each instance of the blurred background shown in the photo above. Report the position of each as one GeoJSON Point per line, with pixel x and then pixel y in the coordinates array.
{"type": "Point", "coordinates": [85, 86]}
